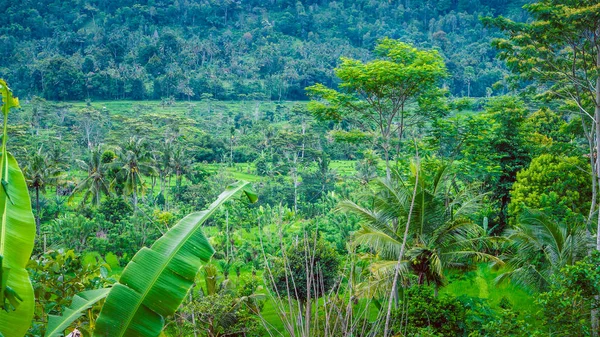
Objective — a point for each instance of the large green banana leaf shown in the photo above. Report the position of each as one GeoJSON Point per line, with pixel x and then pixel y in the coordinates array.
{"type": "Point", "coordinates": [155, 282]}
{"type": "Point", "coordinates": [80, 303]}
{"type": "Point", "coordinates": [17, 234]}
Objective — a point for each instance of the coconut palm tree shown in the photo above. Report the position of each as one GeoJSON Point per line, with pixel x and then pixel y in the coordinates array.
{"type": "Point", "coordinates": [40, 173]}
{"type": "Point", "coordinates": [441, 235]}
{"type": "Point", "coordinates": [133, 163]}
{"type": "Point", "coordinates": [540, 246]}
{"type": "Point", "coordinates": [181, 165]}
{"type": "Point", "coordinates": [162, 162]}
{"type": "Point", "coordinates": [96, 183]}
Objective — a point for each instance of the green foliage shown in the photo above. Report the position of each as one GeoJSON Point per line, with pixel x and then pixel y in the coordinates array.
{"type": "Point", "coordinates": [96, 183]}
{"type": "Point", "coordinates": [231, 311]}
{"type": "Point", "coordinates": [441, 234]}
{"type": "Point", "coordinates": [57, 277]}
{"type": "Point", "coordinates": [304, 265]}
{"type": "Point", "coordinates": [17, 234]}
{"type": "Point", "coordinates": [566, 306]}
{"type": "Point", "coordinates": [375, 94]}
{"type": "Point", "coordinates": [261, 58]}
{"type": "Point", "coordinates": [81, 302]}
{"type": "Point", "coordinates": [439, 316]}
{"type": "Point", "coordinates": [539, 246]}
{"type": "Point", "coordinates": [556, 185]}
{"type": "Point", "coordinates": [115, 209]}
{"type": "Point", "coordinates": [137, 304]}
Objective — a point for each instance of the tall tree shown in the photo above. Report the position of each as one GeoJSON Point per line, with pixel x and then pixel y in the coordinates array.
{"type": "Point", "coordinates": [39, 174]}
{"type": "Point", "coordinates": [133, 163]}
{"type": "Point", "coordinates": [375, 94]}
{"type": "Point", "coordinates": [560, 48]}
{"type": "Point", "coordinates": [96, 183]}
{"type": "Point", "coordinates": [441, 236]}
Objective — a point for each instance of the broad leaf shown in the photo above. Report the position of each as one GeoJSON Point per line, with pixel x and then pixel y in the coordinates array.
{"type": "Point", "coordinates": [81, 302]}
{"type": "Point", "coordinates": [17, 235]}
{"type": "Point", "coordinates": [157, 279]}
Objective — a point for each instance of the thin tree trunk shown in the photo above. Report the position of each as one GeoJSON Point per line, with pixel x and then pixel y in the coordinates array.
{"type": "Point", "coordinates": [594, 312]}
{"type": "Point", "coordinates": [135, 199]}
{"type": "Point", "coordinates": [386, 331]}
{"type": "Point", "coordinates": [37, 210]}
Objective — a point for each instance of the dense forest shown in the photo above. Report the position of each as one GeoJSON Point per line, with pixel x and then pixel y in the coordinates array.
{"type": "Point", "coordinates": [216, 168]}
{"type": "Point", "coordinates": [74, 50]}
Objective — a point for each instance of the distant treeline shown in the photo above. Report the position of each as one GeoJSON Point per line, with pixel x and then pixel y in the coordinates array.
{"type": "Point", "coordinates": [232, 49]}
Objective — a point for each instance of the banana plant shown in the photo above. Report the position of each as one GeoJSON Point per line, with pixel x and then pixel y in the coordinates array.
{"type": "Point", "coordinates": [17, 235]}
{"type": "Point", "coordinates": [81, 302]}
{"type": "Point", "coordinates": [157, 279]}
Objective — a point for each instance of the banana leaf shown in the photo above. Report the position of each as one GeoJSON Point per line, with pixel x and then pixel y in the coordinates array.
{"type": "Point", "coordinates": [17, 235]}
{"type": "Point", "coordinates": [157, 279]}
{"type": "Point", "coordinates": [80, 303]}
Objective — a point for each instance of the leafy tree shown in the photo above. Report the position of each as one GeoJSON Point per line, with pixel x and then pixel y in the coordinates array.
{"type": "Point", "coordinates": [305, 271]}
{"type": "Point", "coordinates": [423, 312]}
{"type": "Point", "coordinates": [58, 276]}
{"type": "Point", "coordinates": [556, 185]}
{"type": "Point", "coordinates": [375, 94]}
{"type": "Point", "coordinates": [181, 165]}
{"type": "Point", "coordinates": [498, 148]}
{"type": "Point", "coordinates": [560, 48]}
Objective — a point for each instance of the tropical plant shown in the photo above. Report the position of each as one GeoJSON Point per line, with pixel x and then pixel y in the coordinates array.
{"type": "Point", "coordinates": [39, 173]}
{"type": "Point", "coordinates": [441, 235]}
{"type": "Point", "coordinates": [540, 246]}
{"type": "Point", "coordinates": [58, 275]}
{"type": "Point", "coordinates": [162, 162]}
{"type": "Point", "coordinates": [556, 185]}
{"type": "Point", "coordinates": [158, 278]}
{"type": "Point", "coordinates": [17, 236]}
{"type": "Point", "coordinates": [133, 163]}
{"type": "Point", "coordinates": [573, 294]}
{"type": "Point", "coordinates": [306, 270]}
{"type": "Point", "coordinates": [181, 165]}
{"type": "Point", "coordinates": [96, 183]}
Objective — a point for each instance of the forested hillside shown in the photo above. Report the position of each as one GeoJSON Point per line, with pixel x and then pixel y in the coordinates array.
{"type": "Point", "coordinates": [300, 168]}
{"type": "Point", "coordinates": [72, 50]}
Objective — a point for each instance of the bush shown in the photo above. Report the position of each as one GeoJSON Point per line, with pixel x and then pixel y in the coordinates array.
{"type": "Point", "coordinates": [292, 271]}
{"type": "Point", "coordinates": [430, 315]}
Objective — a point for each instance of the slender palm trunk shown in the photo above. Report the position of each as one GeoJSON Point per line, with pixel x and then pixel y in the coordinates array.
{"type": "Point", "coordinates": [594, 312]}
{"type": "Point", "coordinates": [135, 198]}
{"type": "Point", "coordinates": [386, 331]}
{"type": "Point", "coordinates": [37, 210]}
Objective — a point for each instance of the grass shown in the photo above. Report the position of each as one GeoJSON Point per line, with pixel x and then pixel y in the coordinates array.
{"type": "Point", "coordinates": [481, 283]}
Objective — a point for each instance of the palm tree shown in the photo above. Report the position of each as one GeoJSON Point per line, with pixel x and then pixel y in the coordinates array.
{"type": "Point", "coordinates": [39, 173]}
{"type": "Point", "coordinates": [181, 165]}
{"type": "Point", "coordinates": [95, 184]}
{"type": "Point", "coordinates": [162, 163]}
{"type": "Point", "coordinates": [441, 236]}
{"type": "Point", "coordinates": [133, 162]}
{"type": "Point", "coordinates": [540, 246]}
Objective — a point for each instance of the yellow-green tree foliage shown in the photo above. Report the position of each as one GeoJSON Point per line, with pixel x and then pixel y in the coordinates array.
{"type": "Point", "coordinates": [556, 185]}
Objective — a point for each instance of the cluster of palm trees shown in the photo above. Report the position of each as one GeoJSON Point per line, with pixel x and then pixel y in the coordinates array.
{"type": "Point", "coordinates": [442, 235]}
{"type": "Point", "coordinates": [121, 172]}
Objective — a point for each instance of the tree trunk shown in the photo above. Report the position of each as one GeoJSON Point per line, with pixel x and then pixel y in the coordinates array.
{"type": "Point", "coordinates": [594, 313]}
{"type": "Point", "coordinates": [386, 330]}
{"type": "Point", "coordinates": [135, 199]}
{"type": "Point", "coordinates": [37, 210]}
